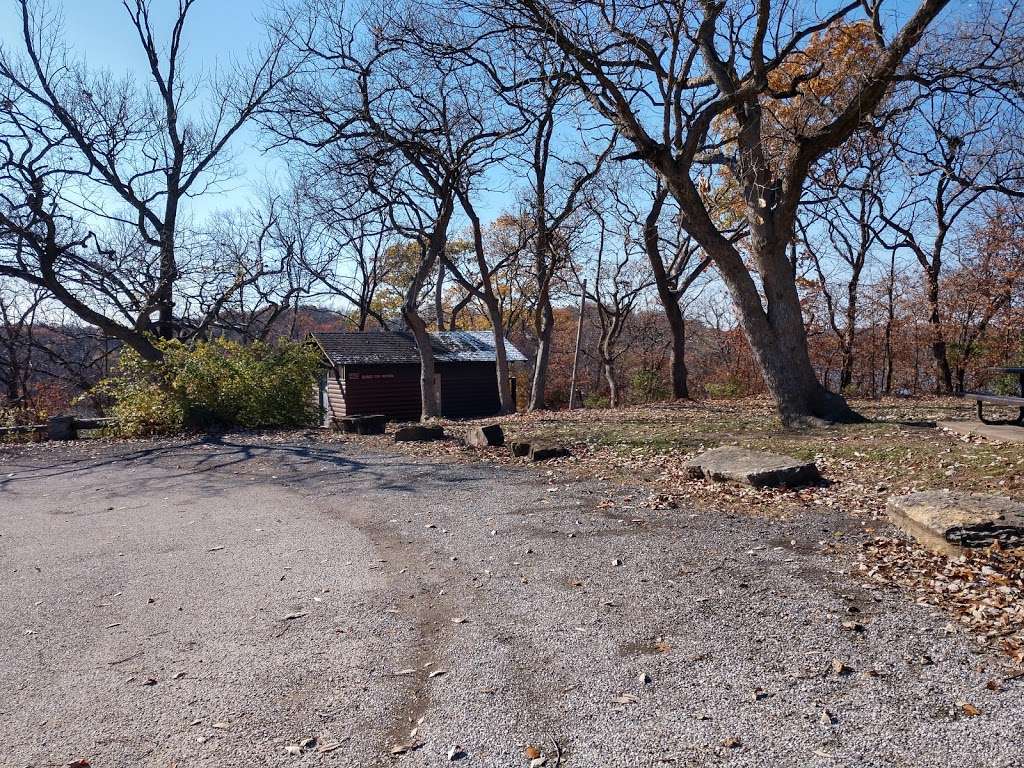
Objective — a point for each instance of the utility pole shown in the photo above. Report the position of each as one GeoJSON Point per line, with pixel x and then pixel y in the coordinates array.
{"type": "Point", "coordinates": [576, 353]}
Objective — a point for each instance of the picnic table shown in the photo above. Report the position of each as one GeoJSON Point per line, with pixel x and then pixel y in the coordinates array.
{"type": "Point", "coordinates": [1010, 400]}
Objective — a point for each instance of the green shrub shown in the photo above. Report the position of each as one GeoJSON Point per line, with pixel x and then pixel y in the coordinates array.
{"type": "Point", "coordinates": [724, 390]}
{"type": "Point", "coordinates": [214, 384]}
{"type": "Point", "coordinates": [648, 386]}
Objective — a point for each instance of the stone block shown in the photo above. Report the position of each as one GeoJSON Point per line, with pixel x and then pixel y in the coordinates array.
{"type": "Point", "coordinates": [756, 468]}
{"type": "Point", "coordinates": [952, 522]}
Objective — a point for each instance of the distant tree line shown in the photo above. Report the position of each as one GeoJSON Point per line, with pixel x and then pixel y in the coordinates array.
{"type": "Point", "coordinates": [810, 200]}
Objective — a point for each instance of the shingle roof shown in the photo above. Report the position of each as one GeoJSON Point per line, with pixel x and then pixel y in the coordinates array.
{"type": "Point", "coordinates": [397, 347]}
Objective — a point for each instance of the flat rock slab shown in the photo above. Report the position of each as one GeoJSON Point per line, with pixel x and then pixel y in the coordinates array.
{"type": "Point", "coordinates": [418, 434]}
{"type": "Point", "coordinates": [756, 468]}
{"type": "Point", "coordinates": [488, 436]}
{"type": "Point", "coordinates": [1007, 433]}
{"type": "Point", "coordinates": [953, 522]}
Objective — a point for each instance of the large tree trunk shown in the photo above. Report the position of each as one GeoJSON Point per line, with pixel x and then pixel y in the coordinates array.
{"type": "Point", "coordinates": [544, 325]}
{"type": "Point", "coordinates": [849, 338]}
{"type": "Point", "coordinates": [430, 401]}
{"type": "Point", "coordinates": [676, 328]}
{"type": "Point", "coordinates": [439, 298]}
{"type": "Point", "coordinates": [669, 300]}
{"type": "Point", "coordinates": [943, 373]}
{"type": "Point", "coordinates": [680, 375]}
{"type": "Point", "coordinates": [166, 327]}
{"type": "Point", "coordinates": [778, 340]}
{"type": "Point", "coordinates": [508, 405]}
{"type": "Point", "coordinates": [613, 385]}
{"type": "Point", "coordinates": [429, 405]}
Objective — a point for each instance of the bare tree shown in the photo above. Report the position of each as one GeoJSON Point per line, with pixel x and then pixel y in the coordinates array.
{"type": "Point", "coordinates": [84, 149]}
{"type": "Point", "coordinates": [707, 92]}
{"type": "Point", "coordinates": [18, 310]}
{"type": "Point", "coordinates": [677, 263]}
{"type": "Point", "coordinates": [961, 153]}
{"type": "Point", "coordinates": [840, 229]}
{"type": "Point", "coordinates": [615, 280]}
{"type": "Point", "coordinates": [416, 130]}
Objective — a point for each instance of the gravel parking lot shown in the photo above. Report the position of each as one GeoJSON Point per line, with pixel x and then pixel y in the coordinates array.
{"type": "Point", "coordinates": [248, 601]}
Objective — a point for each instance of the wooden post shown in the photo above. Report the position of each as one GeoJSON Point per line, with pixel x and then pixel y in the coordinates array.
{"type": "Point", "coordinates": [576, 353]}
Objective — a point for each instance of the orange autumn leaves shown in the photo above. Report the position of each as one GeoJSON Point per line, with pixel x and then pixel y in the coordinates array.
{"type": "Point", "coordinates": [808, 90]}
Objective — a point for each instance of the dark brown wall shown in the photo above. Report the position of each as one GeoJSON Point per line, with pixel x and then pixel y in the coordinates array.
{"type": "Point", "coordinates": [393, 390]}
{"type": "Point", "coordinates": [469, 390]}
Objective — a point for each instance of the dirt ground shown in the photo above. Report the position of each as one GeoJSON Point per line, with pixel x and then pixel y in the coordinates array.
{"type": "Point", "coordinates": [301, 599]}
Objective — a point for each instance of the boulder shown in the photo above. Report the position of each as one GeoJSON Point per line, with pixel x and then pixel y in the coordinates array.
{"type": "Point", "coordinates": [952, 522]}
{"type": "Point", "coordinates": [520, 449]}
{"type": "Point", "coordinates": [485, 437]}
{"type": "Point", "coordinates": [418, 433]}
{"type": "Point", "coordinates": [541, 452]}
{"type": "Point", "coordinates": [363, 425]}
{"type": "Point", "coordinates": [756, 468]}
{"type": "Point", "coordinates": [61, 428]}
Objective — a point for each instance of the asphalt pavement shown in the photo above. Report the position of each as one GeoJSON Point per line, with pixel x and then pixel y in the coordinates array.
{"type": "Point", "coordinates": [278, 601]}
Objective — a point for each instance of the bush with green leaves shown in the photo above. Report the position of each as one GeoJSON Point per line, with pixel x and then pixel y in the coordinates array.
{"type": "Point", "coordinates": [648, 386]}
{"type": "Point", "coordinates": [214, 384]}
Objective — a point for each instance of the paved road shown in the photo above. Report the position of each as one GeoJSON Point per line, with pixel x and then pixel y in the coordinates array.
{"type": "Point", "coordinates": [213, 603]}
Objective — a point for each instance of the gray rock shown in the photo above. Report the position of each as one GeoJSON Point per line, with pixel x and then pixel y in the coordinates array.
{"type": "Point", "coordinates": [418, 433]}
{"type": "Point", "coordinates": [952, 522]}
{"type": "Point", "coordinates": [541, 452]}
{"type": "Point", "coordinates": [485, 437]}
{"type": "Point", "coordinates": [520, 449]}
{"type": "Point", "coordinates": [756, 468]}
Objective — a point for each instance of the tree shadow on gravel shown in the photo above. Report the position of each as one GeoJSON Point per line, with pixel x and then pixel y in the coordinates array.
{"type": "Point", "coordinates": [221, 460]}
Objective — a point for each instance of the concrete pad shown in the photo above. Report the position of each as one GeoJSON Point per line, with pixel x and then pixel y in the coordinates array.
{"type": "Point", "coordinates": [756, 468]}
{"type": "Point", "coordinates": [1008, 433]}
{"type": "Point", "coordinates": [953, 522]}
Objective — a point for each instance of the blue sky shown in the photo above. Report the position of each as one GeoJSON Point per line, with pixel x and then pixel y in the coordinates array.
{"type": "Point", "coordinates": [100, 32]}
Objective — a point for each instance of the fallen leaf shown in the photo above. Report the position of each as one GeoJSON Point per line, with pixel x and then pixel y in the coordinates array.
{"type": "Point", "coordinates": [969, 709]}
{"type": "Point", "coordinates": [840, 668]}
{"type": "Point", "coordinates": [330, 746]}
{"type": "Point", "coordinates": [532, 753]}
{"type": "Point", "coordinates": [456, 753]}
{"type": "Point", "coordinates": [402, 749]}
{"type": "Point", "coordinates": [627, 698]}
